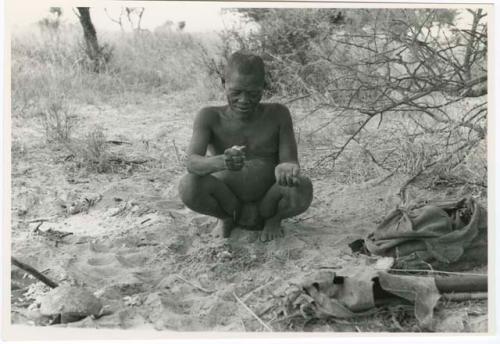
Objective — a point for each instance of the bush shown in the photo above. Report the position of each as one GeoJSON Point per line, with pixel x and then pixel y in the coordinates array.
{"type": "Point", "coordinates": [58, 122]}
{"type": "Point", "coordinates": [90, 152]}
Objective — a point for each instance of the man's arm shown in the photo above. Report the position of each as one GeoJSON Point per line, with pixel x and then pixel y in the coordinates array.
{"type": "Point", "coordinates": [287, 143]}
{"type": "Point", "coordinates": [197, 162]}
{"type": "Point", "coordinates": [287, 172]}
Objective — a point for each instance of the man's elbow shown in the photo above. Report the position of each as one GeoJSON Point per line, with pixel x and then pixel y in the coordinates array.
{"type": "Point", "coordinates": [193, 167]}
{"type": "Point", "coordinates": [190, 165]}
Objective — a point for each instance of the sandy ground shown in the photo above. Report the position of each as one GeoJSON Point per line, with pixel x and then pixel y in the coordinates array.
{"type": "Point", "coordinates": [154, 263]}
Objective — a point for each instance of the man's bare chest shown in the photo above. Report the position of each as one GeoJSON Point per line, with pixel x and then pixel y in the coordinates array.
{"type": "Point", "coordinates": [259, 137]}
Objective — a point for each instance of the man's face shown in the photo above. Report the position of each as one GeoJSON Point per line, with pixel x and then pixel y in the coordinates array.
{"type": "Point", "coordinates": [244, 92]}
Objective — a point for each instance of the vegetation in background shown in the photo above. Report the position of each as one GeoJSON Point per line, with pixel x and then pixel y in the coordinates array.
{"type": "Point", "coordinates": [375, 93]}
{"type": "Point", "coordinates": [53, 65]}
{"type": "Point", "coordinates": [405, 88]}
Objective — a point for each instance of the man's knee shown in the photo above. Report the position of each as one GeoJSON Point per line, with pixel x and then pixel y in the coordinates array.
{"type": "Point", "coordinates": [304, 193]}
{"type": "Point", "coordinates": [297, 199]}
{"type": "Point", "coordinates": [191, 189]}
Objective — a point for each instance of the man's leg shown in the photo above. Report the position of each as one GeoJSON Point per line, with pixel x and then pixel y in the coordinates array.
{"type": "Point", "coordinates": [281, 202]}
{"type": "Point", "coordinates": [210, 196]}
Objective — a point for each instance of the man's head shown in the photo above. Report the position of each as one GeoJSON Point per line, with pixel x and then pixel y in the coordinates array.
{"type": "Point", "coordinates": [244, 82]}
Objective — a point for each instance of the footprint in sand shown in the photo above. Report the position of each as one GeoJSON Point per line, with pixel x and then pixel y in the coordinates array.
{"type": "Point", "coordinates": [98, 261]}
{"type": "Point", "coordinates": [100, 265]}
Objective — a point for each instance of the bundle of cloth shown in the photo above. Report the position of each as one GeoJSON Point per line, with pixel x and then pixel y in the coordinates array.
{"type": "Point", "coordinates": [443, 234]}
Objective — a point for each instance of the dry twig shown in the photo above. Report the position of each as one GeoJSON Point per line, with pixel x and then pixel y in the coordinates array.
{"type": "Point", "coordinates": [465, 296]}
{"type": "Point", "coordinates": [34, 272]}
{"type": "Point", "coordinates": [194, 285]}
{"type": "Point", "coordinates": [440, 272]}
{"type": "Point", "coordinates": [269, 328]}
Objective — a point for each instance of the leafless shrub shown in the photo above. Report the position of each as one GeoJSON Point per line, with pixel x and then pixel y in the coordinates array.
{"type": "Point", "coordinates": [91, 152]}
{"type": "Point", "coordinates": [57, 121]}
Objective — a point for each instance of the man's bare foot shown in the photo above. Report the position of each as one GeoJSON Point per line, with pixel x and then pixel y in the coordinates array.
{"type": "Point", "coordinates": [272, 230]}
{"type": "Point", "coordinates": [225, 226]}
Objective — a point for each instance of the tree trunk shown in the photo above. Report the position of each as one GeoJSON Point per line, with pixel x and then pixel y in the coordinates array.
{"type": "Point", "coordinates": [92, 46]}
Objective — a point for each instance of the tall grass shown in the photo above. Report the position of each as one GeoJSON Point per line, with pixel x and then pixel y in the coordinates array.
{"type": "Point", "coordinates": [49, 65]}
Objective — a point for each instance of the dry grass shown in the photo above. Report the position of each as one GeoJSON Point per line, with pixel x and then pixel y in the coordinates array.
{"type": "Point", "coordinates": [92, 152]}
{"type": "Point", "coordinates": [50, 66]}
{"type": "Point", "coordinates": [57, 121]}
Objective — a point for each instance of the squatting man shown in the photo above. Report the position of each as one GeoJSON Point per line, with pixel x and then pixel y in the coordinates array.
{"type": "Point", "coordinates": [251, 176]}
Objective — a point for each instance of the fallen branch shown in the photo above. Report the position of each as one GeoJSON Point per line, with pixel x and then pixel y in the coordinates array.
{"type": "Point", "coordinates": [334, 156]}
{"type": "Point", "coordinates": [464, 296]}
{"type": "Point", "coordinates": [289, 101]}
{"type": "Point", "coordinates": [370, 154]}
{"type": "Point", "coordinates": [402, 190]}
{"type": "Point", "coordinates": [39, 220]}
{"type": "Point", "coordinates": [142, 244]}
{"type": "Point", "coordinates": [440, 272]}
{"type": "Point", "coordinates": [34, 272]}
{"type": "Point", "coordinates": [177, 155]}
{"type": "Point", "coordinates": [389, 175]}
{"type": "Point", "coordinates": [269, 328]}
{"type": "Point", "coordinates": [127, 162]}
{"type": "Point", "coordinates": [194, 285]}
{"type": "Point", "coordinates": [116, 142]}
{"type": "Point", "coordinates": [37, 228]}
{"type": "Point", "coordinates": [247, 295]}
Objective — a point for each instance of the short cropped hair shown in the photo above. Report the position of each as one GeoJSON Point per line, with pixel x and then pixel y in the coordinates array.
{"type": "Point", "coordinates": [245, 63]}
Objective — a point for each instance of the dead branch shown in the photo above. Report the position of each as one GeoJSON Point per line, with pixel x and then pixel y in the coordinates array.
{"type": "Point", "coordinates": [40, 220]}
{"type": "Point", "coordinates": [194, 285]}
{"type": "Point", "coordinates": [289, 101]}
{"type": "Point", "coordinates": [34, 272]}
{"type": "Point", "coordinates": [370, 154]}
{"type": "Point", "coordinates": [139, 18]}
{"type": "Point", "coordinates": [127, 162]}
{"type": "Point", "coordinates": [459, 297]}
{"type": "Point", "coordinates": [266, 326]}
{"type": "Point", "coordinates": [402, 190]}
{"type": "Point", "coordinates": [118, 21]}
{"type": "Point", "coordinates": [177, 155]}
{"type": "Point", "coordinates": [456, 273]}
{"type": "Point", "coordinates": [117, 142]}
{"type": "Point", "coordinates": [334, 156]}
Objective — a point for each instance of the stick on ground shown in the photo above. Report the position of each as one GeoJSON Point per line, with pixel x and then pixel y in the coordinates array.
{"type": "Point", "coordinates": [194, 285]}
{"type": "Point", "coordinates": [441, 272]}
{"type": "Point", "coordinates": [269, 328]}
{"type": "Point", "coordinates": [465, 296]}
{"type": "Point", "coordinates": [34, 272]}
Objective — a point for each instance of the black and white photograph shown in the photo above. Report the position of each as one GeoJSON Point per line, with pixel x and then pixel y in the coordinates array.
{"type": "Point", "coordinates": [263, 167]}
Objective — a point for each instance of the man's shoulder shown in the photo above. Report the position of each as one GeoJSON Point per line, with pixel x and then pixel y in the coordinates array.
{"type": "Point", "coordinates": [211, 110]}
{"type": "Point", "coordinates": [209, 114]}
{"type": "Point", "coordinates": [275, 107]}
{"type": "Point", "coordinates": [276, 110]}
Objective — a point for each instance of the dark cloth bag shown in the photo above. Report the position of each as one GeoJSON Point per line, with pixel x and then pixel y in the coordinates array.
{"type": "Point", "coordinates": [440, 234]}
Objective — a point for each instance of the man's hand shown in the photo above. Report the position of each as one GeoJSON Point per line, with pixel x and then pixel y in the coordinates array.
{"type": "Point", "coordinates": [234, 158]}
{"type": "Point", "coordinates": [287, 174]}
